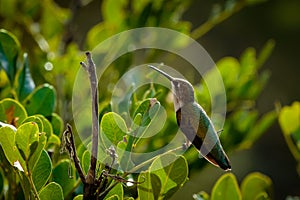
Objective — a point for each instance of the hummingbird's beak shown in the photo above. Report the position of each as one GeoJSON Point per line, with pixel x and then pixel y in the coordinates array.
{"type": "Point", "coordinates": [162, 72]}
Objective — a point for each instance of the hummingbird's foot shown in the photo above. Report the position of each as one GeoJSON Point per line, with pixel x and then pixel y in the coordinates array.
{"type": "Point", "coordinates": [186, 145]}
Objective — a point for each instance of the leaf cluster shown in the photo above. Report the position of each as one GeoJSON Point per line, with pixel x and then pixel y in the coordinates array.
{"type": "Point", "coordinates": [31, 130]}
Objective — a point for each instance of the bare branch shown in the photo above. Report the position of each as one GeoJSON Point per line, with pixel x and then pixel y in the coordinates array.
{"type": "Point", "coordinates": [91, 70]}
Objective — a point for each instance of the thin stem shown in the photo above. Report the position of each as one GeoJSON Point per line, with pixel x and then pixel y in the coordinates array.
{"type": "Point", "coordinates": [91, 70]}
{"type": "Point", "coordinates": [73, 153]}
{"type": "Point", "coordinates": [35, 192]}
{"type": "Point", "coordinates": [209, 24]}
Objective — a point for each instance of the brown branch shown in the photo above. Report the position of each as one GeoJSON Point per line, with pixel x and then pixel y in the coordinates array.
{"type": "Point", "coordinates": [68, 138]}
{"type": "Point", "coordinates": [91, 175]}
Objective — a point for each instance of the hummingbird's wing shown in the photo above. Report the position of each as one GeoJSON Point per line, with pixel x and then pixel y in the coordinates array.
{"type": "Point", "coordinates": [198, 128]}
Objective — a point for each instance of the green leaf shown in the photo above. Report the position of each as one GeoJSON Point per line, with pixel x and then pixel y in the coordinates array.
{"type": "Point", "coordinates": [289, 120]}
{"type": "Point", "coordinates": [36, 119]}
{"type": "Point", "coordinates": [51, 191]}
{"type": "Point", "coordinates": [9, 50]}
{"type": "Point", "coordinates": [57, 124]}
{"type": "Point", "coordinates": [60, 175]}
{"type": "Point", "coordinates": [54, 139]}
{"type": "Point", "coordinates": [86, 159]}
{"type": "Point", "coordinates": [142, 108]}
{"type": "Point", "coordinates": [25, 84]}
{"type": "Point", "coordinates": [113, 129]}
{"type": "Point", "coordinates": [7, 141]}
{"type": "Point", "coordinates": [145, 190]}
{"type": "Point", "coordinates": [262, 196]}
{"type": "Point", "coordinates": [256, 184]}
{"type": "Point", "coordinates": [172, 172]}
{"type": "Point", "coordinates": [166, 175]}
{"type": "Point", "coordinates": [115, 193]}
{"type": "Point", "coordinates": [78, 197]}
{"type": "Point", "coordinates": [113, 197]}
{"type": "Point", "coordinates": [12, 112]}
{"type": "Point", "coordinates": [265, 52]}
{"type": "Point", "coordinates": [42, 171]}
{"type": "Point", "coordinates": [153, 114]}
{"type": "Point", "coordinates": [8, 9]}
{"type": "Point", "coordinates": [226, 188]}
{"type": "Point", "coordinates": [47, 127]}
{"type": "Point", "coordinates": [260, 127]}
{"type": "Point", "coordinates": [36, 155]}
{"type": "Point", "coordinates": [128, 198]}
{"type": "Point", "coordinates": [113, 12]}
{"type": "Point", "coordinates": [44, 126]}
{"type": "Point", "coordinates": [30, 144]}
{"type": "Point", "coordinates": [26, 135]}
{"type": "Point", "coordinates": [248, 63]}
{"type": "Point", "coordinates": [41, 101]}
{"type": "Point", "coordinates": [124, 153]}
{"type": "Point", "coordinates": [229, 68]}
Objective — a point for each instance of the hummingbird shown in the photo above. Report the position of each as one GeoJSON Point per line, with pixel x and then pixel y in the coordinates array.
{"type": "Point", "coordinates": [195, 123]}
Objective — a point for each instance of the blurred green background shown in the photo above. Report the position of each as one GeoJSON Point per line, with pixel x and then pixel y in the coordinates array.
{"type": "Point", "coordinates": [252, 26]}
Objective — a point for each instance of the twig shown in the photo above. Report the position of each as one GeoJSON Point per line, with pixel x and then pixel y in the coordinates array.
{"type": "Point", "coordinates": [91, 70]}
{"type": "Point", "coordinates": [134, 169]}
{"type": "Point", "coordinates": [209, 24]}
{"type": "Point", "coordinates": [68, 138]}
{"type": "Point", "coordinates": [91, 182]}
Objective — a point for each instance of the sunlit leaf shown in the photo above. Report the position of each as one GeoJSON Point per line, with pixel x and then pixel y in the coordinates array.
{"type": "Point", "coordinates": [289, 120]}
{"type": "Point", "coordinates": [86, 159]}
{"type": "Point", "coordinates": [229, 69]}
{"type": "Point", "coordinates": [12, 112]}
{"type": "Point", "coordinates": [26, 134]}
{"type": "Point", "coordinates": [7, 141]}
{"type": "Point", "coordinates": [226, 188]}
{"type": "Point", "coordinates": [255, 184]}
{"type": "Point", "coordinates": [265, 53]}
{"type": "Point", "coordinates": [35, 119]}
{"type": "Point", "coordinates": [166, 175]}
{"type": "Point", "coordinates": [113, 129]}
{"type": "Point", "coordinates": [78, 197]}
{"type": "Point", "coordinates": [145, 190]}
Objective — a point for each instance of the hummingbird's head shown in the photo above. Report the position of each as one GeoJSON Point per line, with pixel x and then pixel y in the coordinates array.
{"type": "Point", "coordinates": [182, 89]}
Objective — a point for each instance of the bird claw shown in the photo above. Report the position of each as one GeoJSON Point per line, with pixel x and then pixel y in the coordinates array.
{"type": "Point", "coordinates": [186, 145]}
